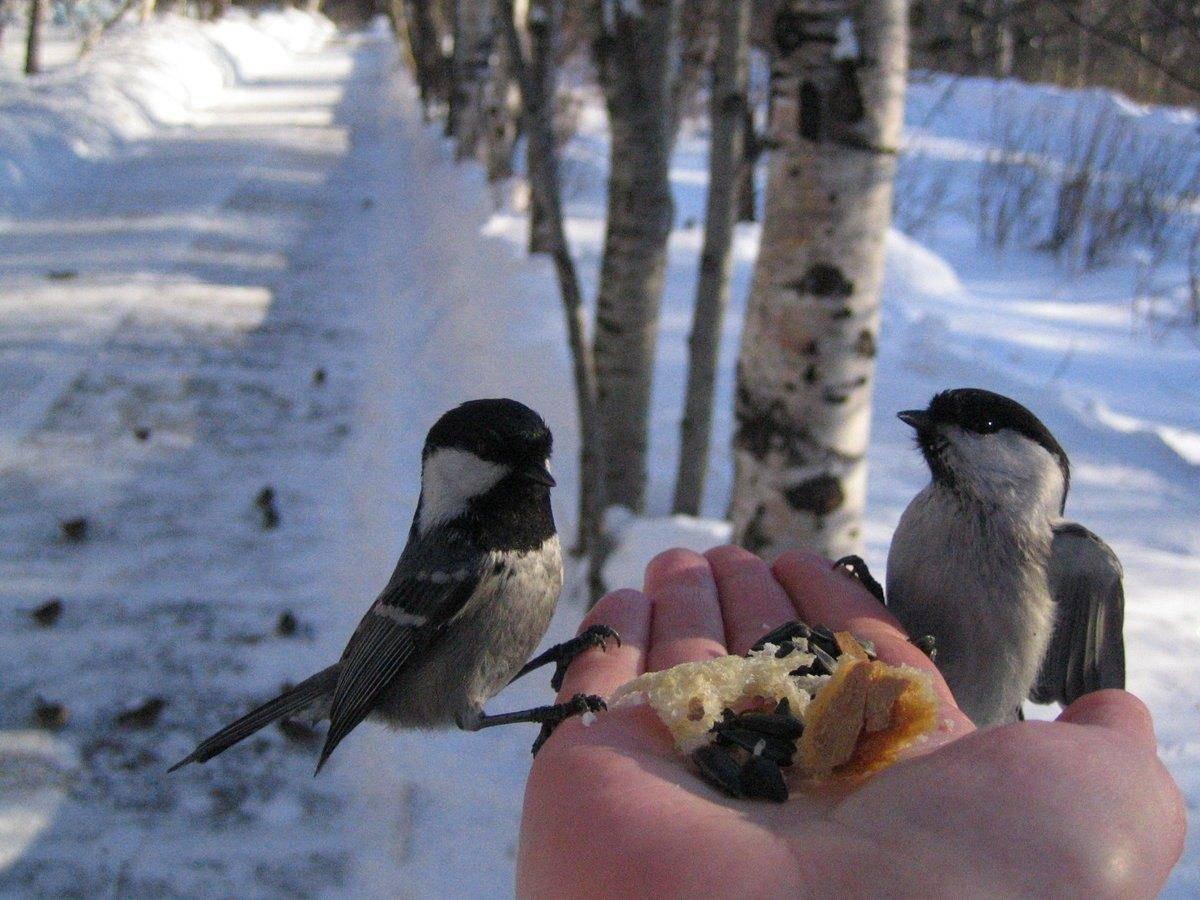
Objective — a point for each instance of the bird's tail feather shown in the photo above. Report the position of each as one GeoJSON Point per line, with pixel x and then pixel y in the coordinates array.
{"type": "Point", "coordinates": [288, 703]}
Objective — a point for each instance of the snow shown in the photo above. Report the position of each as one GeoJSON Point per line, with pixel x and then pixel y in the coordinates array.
{"type": "Point", "coordinates": [197, 217]}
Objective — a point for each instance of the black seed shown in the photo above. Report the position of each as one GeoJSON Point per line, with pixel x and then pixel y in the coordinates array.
{"type": "Point", "coordinates": [74, 529]}
{"type": "Point", "coordinates": [785, 648]}
{"type": "Point", "coordinates": [318, 376]}
{"type": "Point", "coordinates": [287, 624]}
{"type": "Point", "coordinates": [265, 501]}
{"type": "Point", "coordinates": [772, 724]}
{"type": "Point", "coordinates": [47, 614]}
{"type": "Point", "coordinates": [142, 434]}
{"type": "Point", "coordinates": [762, 778]}
{"type": "Point", "coordinates": [144, 715]}
{"type": "Point", "coordinates": [719, 769]}
{"type": "Point", "coordinates": [50, 715]}
{"type": "Point", "coordinates": [824, 638]}
{"type": "Point", "coordinates": [828, 663]}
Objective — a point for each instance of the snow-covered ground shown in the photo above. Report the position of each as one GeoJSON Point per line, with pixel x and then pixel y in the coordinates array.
{"type": "Point", "coordinates": [283, 211]}
{"type": "Point", "coordinates": [192, 281]}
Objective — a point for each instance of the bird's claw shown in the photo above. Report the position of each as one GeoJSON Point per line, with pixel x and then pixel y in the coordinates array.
{"type": "Point", "coordinates": [856, 568]}
{"type": "Point", "coordinates": [927, 644]}
{"type": "Point", "coordinates": [594, 636]}
{"type": "Point", "coordinates": [578, 705]}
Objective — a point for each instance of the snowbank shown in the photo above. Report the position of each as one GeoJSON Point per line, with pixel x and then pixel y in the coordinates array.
{"type": "Point", "coordinates": [139, 79]}
{"type": "Point", "coordinates": [639, 540]}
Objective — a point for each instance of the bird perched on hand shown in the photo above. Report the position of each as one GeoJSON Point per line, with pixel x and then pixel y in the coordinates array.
{"type": "Point", "coordinates": [1020, 602]}
{"type": "Point", "coordinates": [468, 602]}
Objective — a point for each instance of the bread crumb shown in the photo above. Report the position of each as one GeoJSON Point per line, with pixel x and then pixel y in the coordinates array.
{"type": "Point", "coordinates": [690, 697]}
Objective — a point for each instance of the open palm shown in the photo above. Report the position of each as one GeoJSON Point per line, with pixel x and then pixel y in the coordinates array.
{"type": "Point", "coordinates": [1080, 806]}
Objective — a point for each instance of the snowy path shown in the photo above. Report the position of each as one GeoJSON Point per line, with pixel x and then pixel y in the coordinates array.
{"type": "Point", "coordinates": [193, 288]}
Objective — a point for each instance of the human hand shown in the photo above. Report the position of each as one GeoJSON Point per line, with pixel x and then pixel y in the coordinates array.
{"type": "Point", "coordinates": [1077, 807]}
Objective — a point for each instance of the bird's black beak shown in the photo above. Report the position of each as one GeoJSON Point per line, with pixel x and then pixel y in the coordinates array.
{"type": "Point", "coordinates": [916, 418]}
{"type": "Point", "coordinates": [538, 473]}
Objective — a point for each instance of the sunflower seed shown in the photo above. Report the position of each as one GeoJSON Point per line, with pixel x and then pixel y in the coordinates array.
{"type": "Point", "coordinates": [761, 778]}
{"type": "Point", "coordinates": [719, 769]}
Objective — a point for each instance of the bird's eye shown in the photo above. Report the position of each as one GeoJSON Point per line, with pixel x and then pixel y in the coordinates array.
{"type": "Point", "coordinates": [987, 426]}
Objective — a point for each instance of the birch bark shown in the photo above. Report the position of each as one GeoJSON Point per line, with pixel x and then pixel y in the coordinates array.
{"type": "Point", "coordinates": [807, 361]}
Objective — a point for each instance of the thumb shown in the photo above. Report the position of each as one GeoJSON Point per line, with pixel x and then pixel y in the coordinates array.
{"type": "Point", "coordinates": [1115, 710]}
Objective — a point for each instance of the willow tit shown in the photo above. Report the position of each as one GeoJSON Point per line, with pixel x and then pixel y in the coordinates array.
{"type": "Point", "coordinates": [468, 602]}
{"type": "Point", "coordinates": [1020, 602]}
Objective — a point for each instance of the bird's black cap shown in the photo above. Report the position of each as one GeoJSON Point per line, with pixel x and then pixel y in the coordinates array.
{"type": "Point", "coordinates": [983, 412]}
{"type": "Point", "coordinates": [499, 430]}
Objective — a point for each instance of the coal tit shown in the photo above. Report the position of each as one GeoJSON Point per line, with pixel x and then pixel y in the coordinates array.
{"type": "Point", "coordinates": [468, 602]}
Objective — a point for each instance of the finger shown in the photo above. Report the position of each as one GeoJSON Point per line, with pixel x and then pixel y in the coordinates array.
{"type": "Point", "coordinates": [602, 671]}
{"type": "Point", "coordinates": [751, 600]}
{"type": "Point", "coordinates": [1115, 710]}
{"type": "Point", "coordinates": [686, 619]}
{"type": "Point", "coordinates": [831, 598]}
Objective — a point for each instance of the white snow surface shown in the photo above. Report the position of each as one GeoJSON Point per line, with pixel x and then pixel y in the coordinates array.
{"type": "Point", "coordinates": [185, 259]}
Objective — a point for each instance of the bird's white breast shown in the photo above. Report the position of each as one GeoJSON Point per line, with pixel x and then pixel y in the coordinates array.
{"type": "Point", "coordinates": [975, 578]}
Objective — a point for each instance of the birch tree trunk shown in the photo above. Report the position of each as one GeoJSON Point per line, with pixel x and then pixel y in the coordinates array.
{"type": "Point", "coordinates": [537, 87]}
{"type": "Point", "coordinates": [635, 52]}
{"type": "Point", "coordinates": [475, 34]}
{"type": "Point", "coordinates": [499, 100]}
{"type": "Point", "coordinates": [808, 348]}
{"type": "Point", "coordinates": [33, 39]}
{"type": "Point", "coordinates": [728, 103]}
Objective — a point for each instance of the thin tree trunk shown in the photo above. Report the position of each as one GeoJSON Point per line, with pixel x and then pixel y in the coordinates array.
{"type": "Point", "coordinates": [499, 102]}
{"type": "Point", "coordinates": [635, 52]}
{"type": "Point", "coordinates": [696, 39]}
{"type": "Point", "coordinates": [751, 151]}
{"type": "Point", "coordinates": [426, 50]}
{"type": "Point", "coordinates": [458, 93]}
{"type": "Point", "coordinates": [470, 63]}
{"type": "Point", "coordinates": [808, 348]}
{"type": "Point", "coordinates": [728, 104]}
{"type": "Point", "coordinates": [542, 55]}
{"type": "Point", "coordinates": [537, 96]}
{"type": "Point", "coordinates": [33, 40]}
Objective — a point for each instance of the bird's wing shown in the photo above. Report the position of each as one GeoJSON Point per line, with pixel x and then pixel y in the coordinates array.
{"type": "Point", "coordinates": [425, 592]}
{"type": "Point", "coordinates": [1087, 651]}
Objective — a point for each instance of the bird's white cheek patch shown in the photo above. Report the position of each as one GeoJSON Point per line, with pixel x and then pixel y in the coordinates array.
{"type": "Point", "coordinates": [449, 479]}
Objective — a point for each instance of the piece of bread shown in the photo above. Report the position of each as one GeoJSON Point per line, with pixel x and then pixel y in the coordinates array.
{"type": "Point", "coordinates": [856, 721]}
{"type": "Point", "coordinates": [691, 696]}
